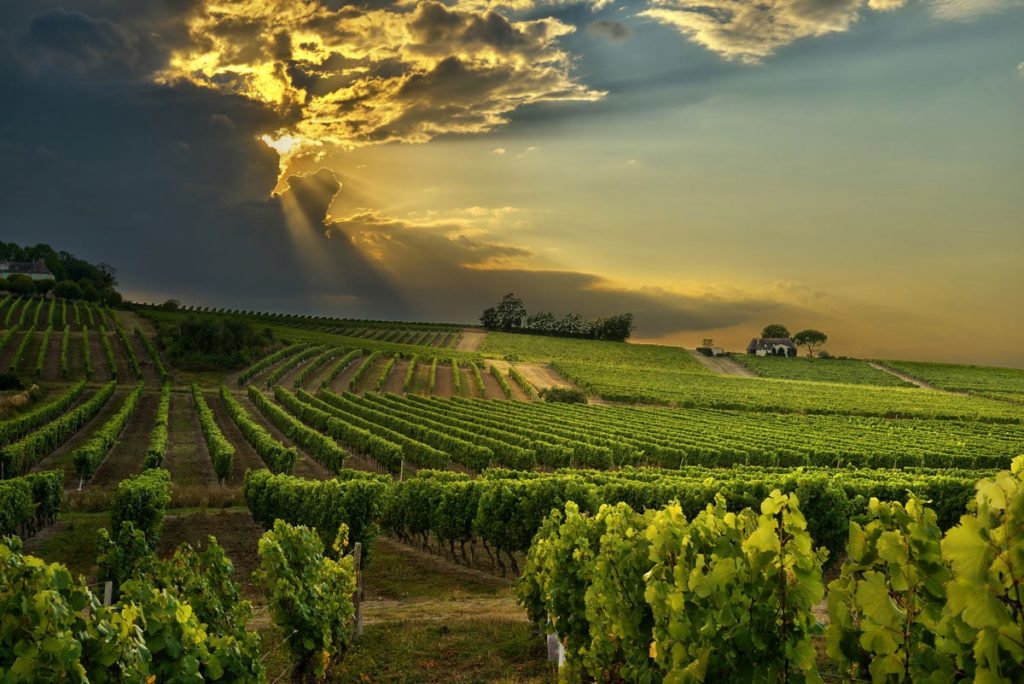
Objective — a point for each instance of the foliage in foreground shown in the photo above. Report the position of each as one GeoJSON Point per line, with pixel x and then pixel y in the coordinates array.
{"type": "Point", "coordinates": [182, 622]}
{"type": "Point", "coordinates": [727, 596]}
{"type": "Point", "coordinates": [309, 594]}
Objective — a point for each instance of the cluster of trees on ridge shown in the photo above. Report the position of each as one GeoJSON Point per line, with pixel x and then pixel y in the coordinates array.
{"type": "Point", "coordinates": [74, 278]}
{"type": "Point", "coordinates": [510, 315]}
{"type": "Point", "coordinates": [810, 338]}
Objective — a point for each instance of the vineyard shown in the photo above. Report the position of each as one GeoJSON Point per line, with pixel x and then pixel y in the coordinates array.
{"type": "Point", "coordinates": [446, 466]}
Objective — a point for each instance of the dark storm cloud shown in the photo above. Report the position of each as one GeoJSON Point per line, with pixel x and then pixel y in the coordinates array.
{"type": "Point", "coordinates": [170, 183]}
{"type": "Point", "coordinates": [74, 40]}
{"type": "Point", "coordinates": [477, 270]}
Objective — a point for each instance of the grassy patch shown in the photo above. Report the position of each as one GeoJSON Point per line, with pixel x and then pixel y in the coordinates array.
{"type": "Point", "coordinates": [446, 651]}
{"type": "Point", "coordinates": [71, 541]}
{"type": "Point", "coordinates": [397, 572]}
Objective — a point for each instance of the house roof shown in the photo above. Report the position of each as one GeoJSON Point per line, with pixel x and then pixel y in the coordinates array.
{"type": "Point", "coordinates": [37, 267]}
{"type": "Point", "coordinates": [770, 343]}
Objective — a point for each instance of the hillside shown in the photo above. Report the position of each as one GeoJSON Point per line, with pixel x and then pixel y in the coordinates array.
{"type": "Point", "coordinates": [384, 406]}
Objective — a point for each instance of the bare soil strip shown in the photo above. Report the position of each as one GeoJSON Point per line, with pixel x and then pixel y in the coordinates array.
{"type": "Point", "coordinates": [246, 457]}
{"type": "Point", "coordinates": [542, 377]}
{"type": "Point", "coordinates": [517, 392]}
{"type": "Point", "coordinates": [130, 320]}
{"type": "Point", "coordinates": [492, 386]}
{"type": "Point", "coordinates": [305, 466]}
{"type": "Point", "coordinates": [723, 365]}
{"type": "Point", "coordinates": [60, 457]}
{"type": "Point", "coordinates": [187, 458]}
{"type": "Point", "coordinates": [124, 369]}
{"type": "Point", "coordinates": [100, 367]}
{"type": "Point", "coordinates": [471, 340]}
{"type": "Point", "coordinates": [369, 380]}
{"type": "Point", "coordinates": [397, 377]}
{"type": "Point", "coordinates": [340, 383]}
{"type": "Point", "coordinates": [444, 385]}
{"type": "Point", "coordinates": [149, 375]}
{"type": "Point", "coordinates": [908, 378]}
{"type": "Point", "coordinates": [128, 457]}
{"type": "Point", "coordinates": [235, 532]}
{"type": "Point", "coordinates": [51, 367]}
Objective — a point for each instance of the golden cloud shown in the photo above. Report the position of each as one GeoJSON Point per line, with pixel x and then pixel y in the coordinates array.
{"type": "Point", "coordinates": [354, 75]}
{"type": "Point", "coordinates": [750, 31]}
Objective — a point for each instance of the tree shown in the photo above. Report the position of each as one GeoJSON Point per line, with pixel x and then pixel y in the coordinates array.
{"type": "Point", "coordinates": [171, 305]}
{"type": "Point", "coordinates": [3, 284]}
{"type": "Point", "coordinates": [511, 312]}
{"type": "Point", "coordinates": [89, 292]}
{"type": "Point", "coordinates": [810, 338]}
{"type": "Point", "coordinates": [775, 330]}
{"type": "Point", "coordinates": [571, 324]}
{"type": "Point", "coordinates": [542, 321]}
{"type": "Point", "coordinates": [20, 284]}
{"type": "Point", "coordinates": [44, 286]}
{"type": "Point", "coordinates": [489, 318]}
{"type": "Point", "coordinates": [67, 289]}
{"type": "Point", "coordinates": [614, 328]}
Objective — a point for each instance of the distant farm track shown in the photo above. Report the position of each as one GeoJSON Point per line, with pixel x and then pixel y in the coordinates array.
{"type": "Point", "coordinates": [723, 365]}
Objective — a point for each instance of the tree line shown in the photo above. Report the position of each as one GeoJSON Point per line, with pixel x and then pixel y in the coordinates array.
{"type": "Point", "coordinates": [510, 315]}
{"type": "Point", "coordinates": [74, 278]}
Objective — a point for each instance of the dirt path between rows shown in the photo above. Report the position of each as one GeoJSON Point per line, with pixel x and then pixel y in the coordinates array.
{"type": "Point", "coordinates": [305, 466]}
{"type": "Point", "coordinates": [517, 392]}
{"type": "Point", "coordinates": [723, 365]}
{"type": "Point", "coordinates": [541, 376]}
{"type": "Point", "coordinates": [908, 378]}
{"type": "Point", "coordinates": [127, 457]}
{"type": "Point", "coordinates": [471, 340]}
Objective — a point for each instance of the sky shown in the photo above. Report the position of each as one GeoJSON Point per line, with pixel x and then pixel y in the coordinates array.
{"type": "Point", "coordinates": [708, 165]}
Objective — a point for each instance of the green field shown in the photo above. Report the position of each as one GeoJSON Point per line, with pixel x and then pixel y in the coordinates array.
{"type": "Point", "coordinates": [367, 404]}
{"type": "Point", "coordinates": [1006, 382]}
{"type": "Point", "coordinates": [850, 371]}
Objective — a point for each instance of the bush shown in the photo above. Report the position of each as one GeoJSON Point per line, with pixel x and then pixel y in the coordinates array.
{"type": "Point", "coordinates": [9, 381]}
{"type": "Point", "coordinates": [309, 595]}
{"type": "Point", "coordinates": [564, 395]}
{"type": "Point", "coordinates": [212, 343]}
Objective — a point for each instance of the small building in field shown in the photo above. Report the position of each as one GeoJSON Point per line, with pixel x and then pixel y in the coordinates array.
{"type": "Point", "coordinates": [711, 351]}
{"type": "Point", "coordinates": [771, 346]}
{"type": "Point", "coordinates": [36, 270]}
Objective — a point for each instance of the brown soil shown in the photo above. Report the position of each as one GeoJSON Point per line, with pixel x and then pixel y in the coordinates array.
{"type": "Point", "coordinates": [130, 320]}
{"type": "Point", "coordinates": [128, 456]}
{"type": "Point", "coordinates": [60, 457]}
{"type": "Point", "coordinates": [246, 457]}
{"type": "Point", "coordinates": [187, 458]}
{"type": "Point", "coordinates": [340, 383]}
{"type": "Point", "coordinates": [517, 392]}
{"type": "Point", "coordinates": [470, 340]}
{"type": "Point", "coordinates": [491, 385]}
{"type": "Point", "coordinates": [397, 377]}
{"type": "Point", "coordinates": [100, 367]}
{"type": "Point", "coordinates": [51, 367]}
{"type": "Point", "coordinates": [124, 369]}
{"type": "Point", "coordinates": [444, 386]}
{"type": "Point", "coordinates": [368, 382]}
{"type": "Point", "coordinates": [723, 365]}
{"type": "Point", "coordinates": [149, 375]}
{"type": "Point", "coordinates": [235, 532]}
